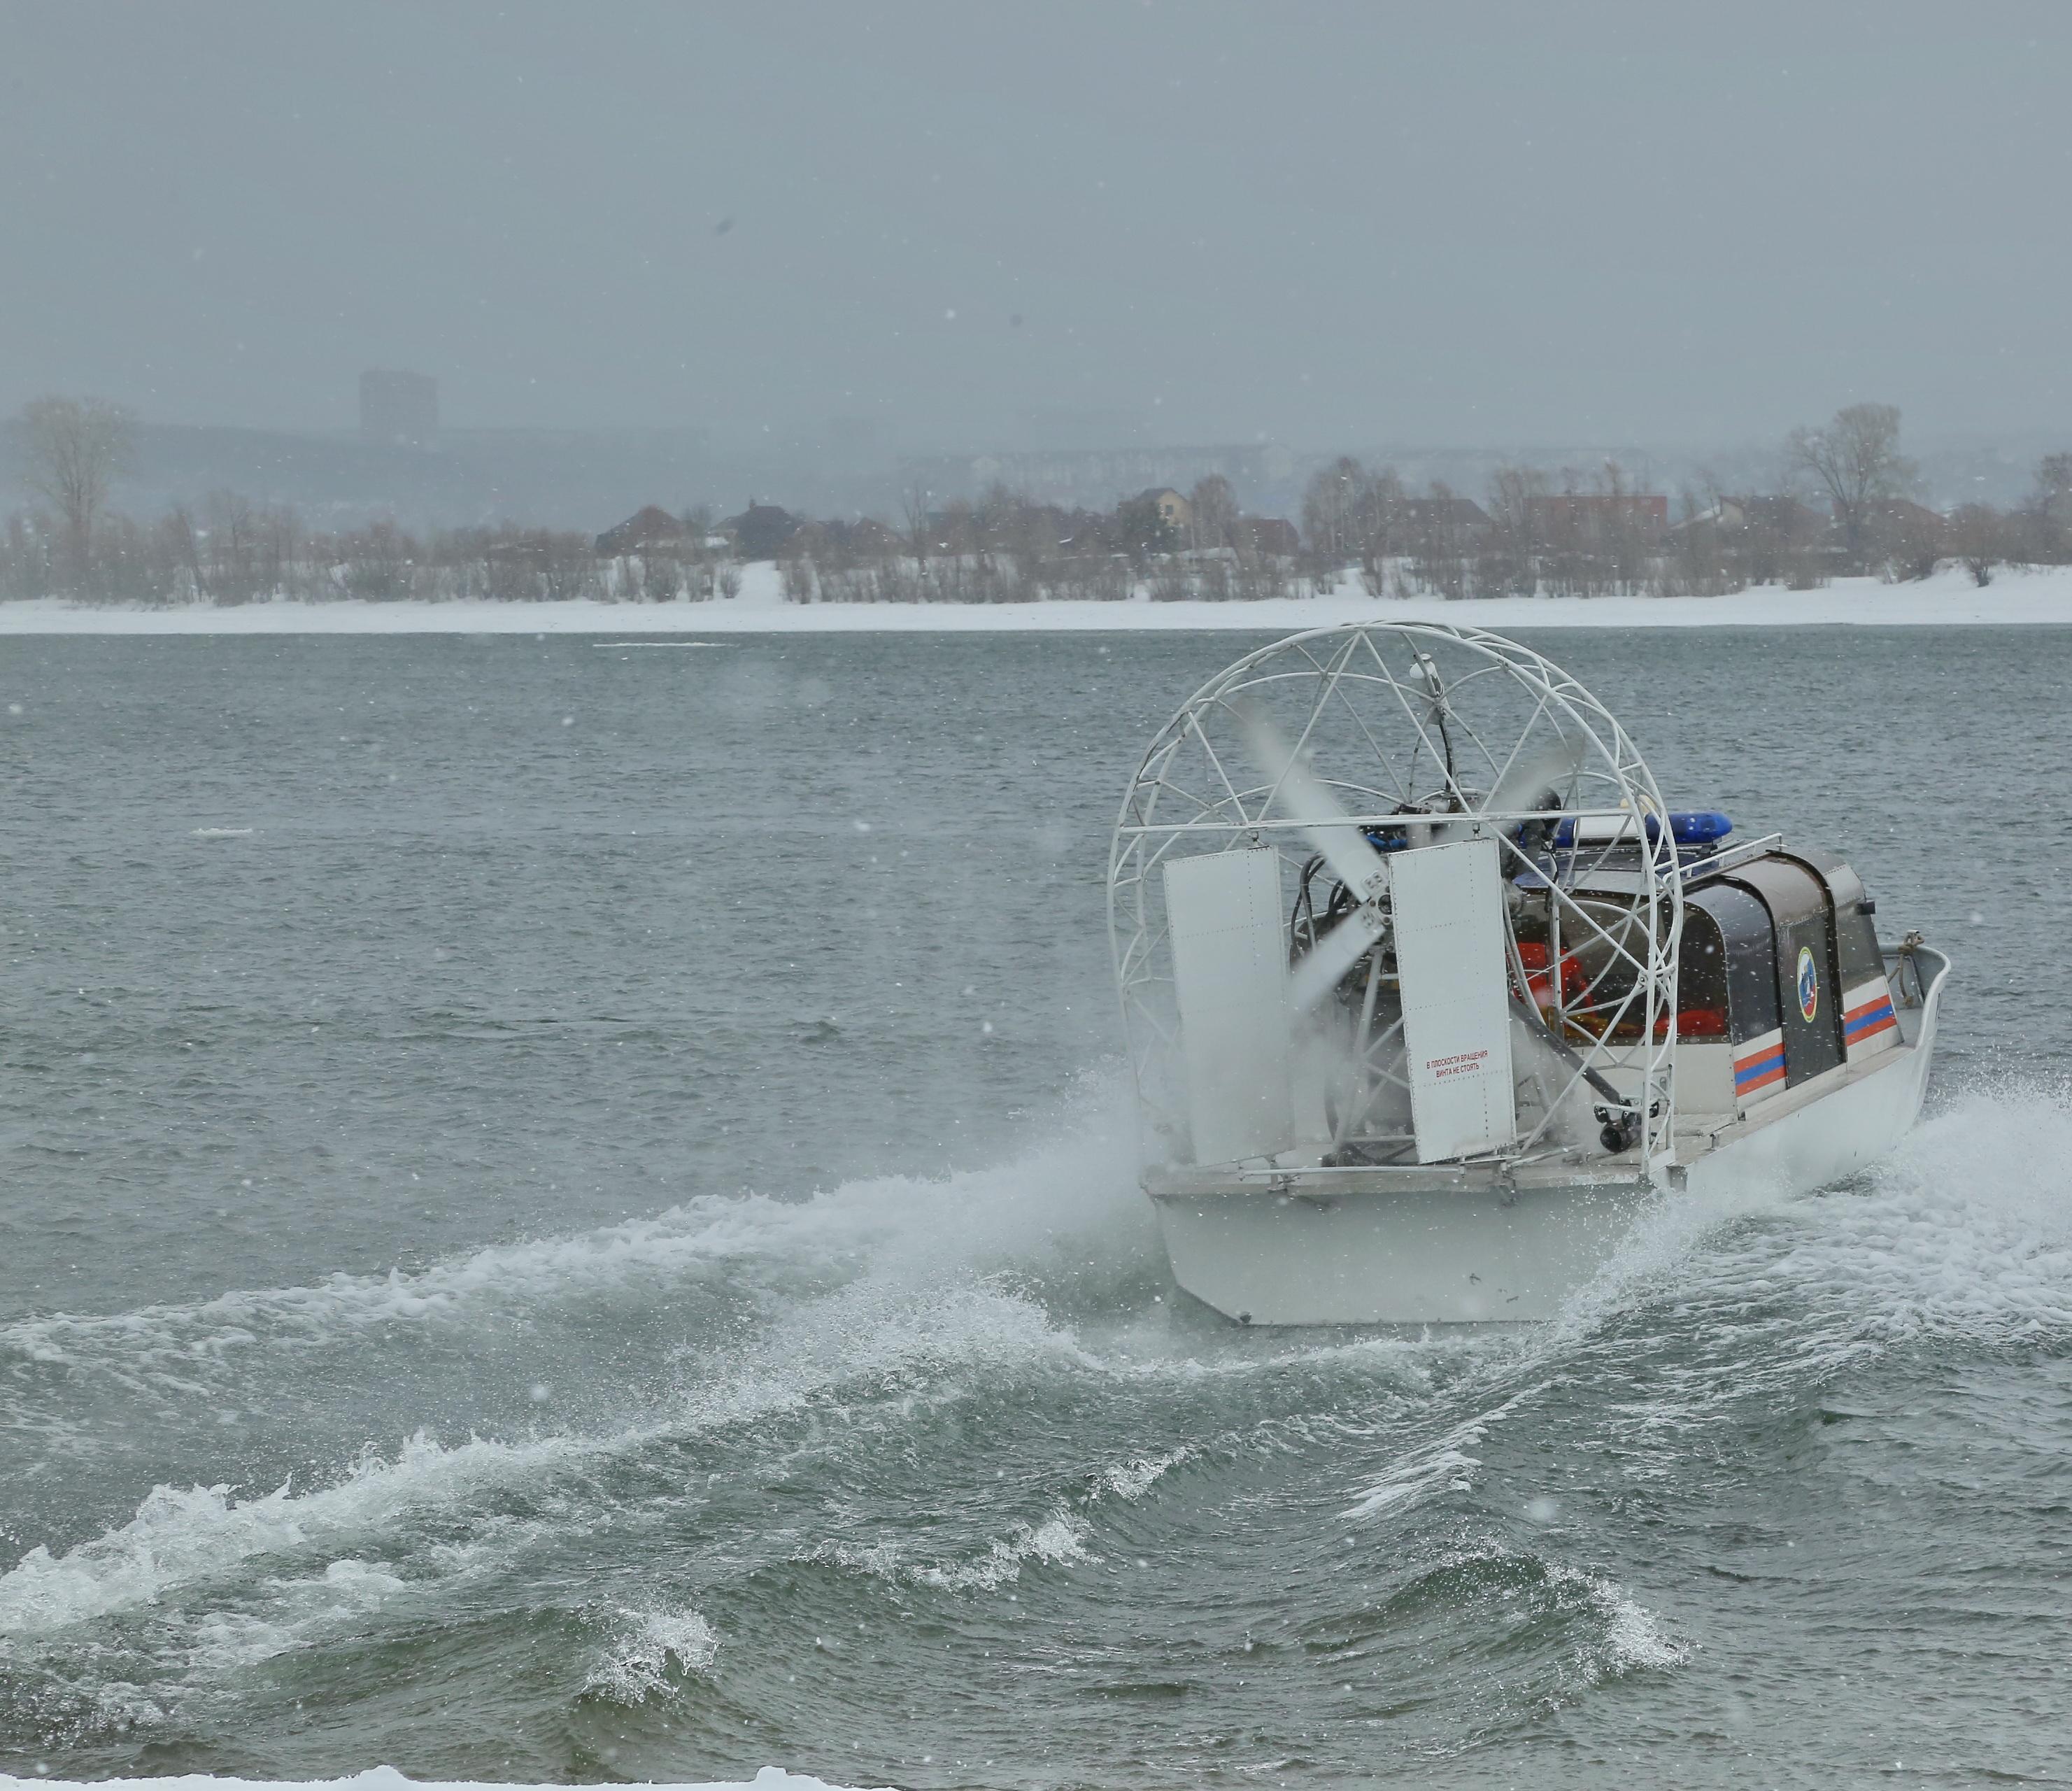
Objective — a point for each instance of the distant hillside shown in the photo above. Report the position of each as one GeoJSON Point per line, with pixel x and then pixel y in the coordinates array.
{"type": "Point", "coordinates": [588, 479]}
{"type": "Point", "coordinates": [576, 479]}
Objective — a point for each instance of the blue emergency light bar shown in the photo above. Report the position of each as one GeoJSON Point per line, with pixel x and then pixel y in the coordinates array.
{"type": "Point", "coordinates": [1687, 827]}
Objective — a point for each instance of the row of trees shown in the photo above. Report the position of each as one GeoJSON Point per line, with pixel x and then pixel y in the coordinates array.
{"type": "Point", "coordinates": [71, 450]}
{"type": "Point", "coordinates": [1842, 508]}
{"type": "Point", "coordinates": [231, 551]}
{"type": "Point", "coordinates": [1003, 548]}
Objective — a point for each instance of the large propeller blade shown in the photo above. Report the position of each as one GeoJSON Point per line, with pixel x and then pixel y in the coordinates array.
{"type": "Point", "coordinates": [1534, 774]}
{"type": "Point", "coordinates": [1319, 969]}
{"type": "Point", "coordinates": [1301, 795]}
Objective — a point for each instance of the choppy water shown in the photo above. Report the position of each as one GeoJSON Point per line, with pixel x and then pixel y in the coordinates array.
{"type": "Point", "coordinates": [597, 1240]}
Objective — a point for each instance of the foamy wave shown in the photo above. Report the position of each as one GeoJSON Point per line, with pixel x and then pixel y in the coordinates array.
{"type": "Point", "coordinates": [1966, 1233]}
{"type": "Point", "coordinates": [897, 1227]}
{"type": "Point", "coordinates": [865, 1343]}
{"type": "Point", "coordinates": [1604, 1634]}
{"type": "Point", "coordinates": [180, 1538]}
{"type": "Point", "coordinates": [118, 1707]}
{"type": "Point", "coordinates": [1136, 1476]}
{"type": "Point", "coordinates": [345, 1590]}
{"type": "Point", "coordinates": [876, 1329]}
{"type": "Point", "coordinates": [1444, 1462]}
{"type": "Point", "coordinates": [1633, 1640]}
{"type": "Point", "coordinates": [1059, 1539]}
{"type": "Point", "coordinates": [1407, 1361]}
{"type": "Point", "coordinates": [638, 1665]}
{"type": "Point", "coordinates": [1963, 1236]}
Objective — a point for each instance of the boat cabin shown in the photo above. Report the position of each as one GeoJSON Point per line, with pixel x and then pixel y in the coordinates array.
{"type": "Point", "coordinates": [1779, 980]}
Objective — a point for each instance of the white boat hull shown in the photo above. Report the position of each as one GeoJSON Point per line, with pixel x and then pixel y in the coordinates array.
{"type": "Point", "coordinates": [1413, 1256]}
{"type": "Point", "coordinates": [1469, 1245]}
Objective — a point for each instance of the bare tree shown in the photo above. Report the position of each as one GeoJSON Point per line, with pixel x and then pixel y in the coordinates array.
{"type": "Point", "coordinates": [380, 561]}
{"type": "Point", "coordinates": [26, 563]}
{"type": "Point", "coordinates": [230, 530]}
{"type": "Point", "coordinates": [1910, 540]}
{"type": "Point", "coordinates": [917, 511]}
{"type": "Point", "coordinates": [1856, 462]}
{"type": "Point", "coordinates": [1379, 528]}
{"type": "Point", "coordinates": [1510, 557]}
{"type": "Point", "coordinates": [1440, 544]}
{"type": "Point", "coordinates": [277, 540]}
{"type": "Point", "coordinates": [1627, 540]}
{"type": "Point", "coordinates": [72, 448]}
{"type": "Point", "coordinates": [1213, 507]}
{"type": "Point", "coordinates": [1692, 564]}
{"type": "Point", "coordinates": [2047, 514]}
{"type": "Point", "coordinates": [1978, 536]}
{"type": "Point", "coordinates": [179, 544]}
{"type": "Point", "coordinates": [1332, 511]}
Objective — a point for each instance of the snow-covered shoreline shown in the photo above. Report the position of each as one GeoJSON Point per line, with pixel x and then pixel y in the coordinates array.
{"type": "Point", "coordinates": [2043, 597]}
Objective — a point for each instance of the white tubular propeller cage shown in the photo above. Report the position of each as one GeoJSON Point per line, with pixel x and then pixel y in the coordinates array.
{"type": "Point", "coordinates": [1358, 686]}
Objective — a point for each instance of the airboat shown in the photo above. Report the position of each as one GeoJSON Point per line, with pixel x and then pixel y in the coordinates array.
{"type": "Point", "coordinates": [1430, 995]}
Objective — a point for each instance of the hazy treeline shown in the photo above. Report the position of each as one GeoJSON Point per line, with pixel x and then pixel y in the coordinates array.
{"type": "Point", "coordinates": [229, 551]}
{"type": "Point", "coordinates": [1004, 549]}
{"type": "Point", "coordinates": [1529, 534]}
{"type": "Point", "coordinates": [1842, 508]}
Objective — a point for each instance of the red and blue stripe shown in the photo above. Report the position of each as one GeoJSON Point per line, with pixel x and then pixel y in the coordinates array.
{"type": "Point", "coordinates": [1873, 1017]}
{"type": "Point", "coordinates": [1760, 1070]}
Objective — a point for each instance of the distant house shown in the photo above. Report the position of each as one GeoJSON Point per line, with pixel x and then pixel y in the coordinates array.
{"type": "Point", "coordinates": [864, 537]}
{"type": "Point", "coordinates": [1273, 537]}
{"type": "Point", "coordinates": [1454, 512]}
{"type": "Point", "coordinates": [1175, 511]}
{"type": "Point", "coordinates": [651, 530]}
{"type": "Point", "coordinates": [1438, 521]}
{"type": "Point", "coordinates": [1903, 513]}
{"type": "Point", "coordinates": [1776, 516]}
{"type": "Point", "coordinates": [1786, 519]}
{"type": "Point", "coordinates": [1586, 515]}
{"type": "Point", "coordinates": [763, 531]}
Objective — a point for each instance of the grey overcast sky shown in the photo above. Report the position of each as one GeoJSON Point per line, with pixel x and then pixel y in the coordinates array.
{"type": "Point", "coordinates": [1446, 224]}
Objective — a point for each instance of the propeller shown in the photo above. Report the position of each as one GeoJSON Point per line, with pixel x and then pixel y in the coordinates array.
{"type": "Point", "coordinates": [1534, 774]}
{"type": "Point", "coordinates": [1305, 798]}
{"type": "Point", "coordinates": [1319, 969]}
{"type": "Point", "coordinates": [1523, 784]}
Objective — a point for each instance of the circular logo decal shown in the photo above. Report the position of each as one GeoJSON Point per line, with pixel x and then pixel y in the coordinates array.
{"type": "Point", "coordinates": [1809, 983]}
